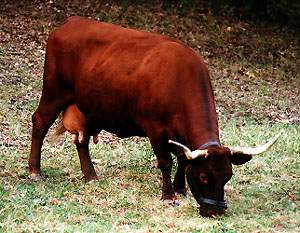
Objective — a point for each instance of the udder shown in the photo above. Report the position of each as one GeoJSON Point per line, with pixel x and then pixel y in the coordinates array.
{"type": "Point", "coordinates": [77, 124]}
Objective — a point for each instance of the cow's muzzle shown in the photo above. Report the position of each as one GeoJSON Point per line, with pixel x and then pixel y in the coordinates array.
{"type": "Point", "coordinates": [211, 211]}
{"type": "Point", "coordinates": [222, 204]}
{"type": "Point", "coordinates": [211, 208]}
{"type": "Point", "coordinates": [208, 207]}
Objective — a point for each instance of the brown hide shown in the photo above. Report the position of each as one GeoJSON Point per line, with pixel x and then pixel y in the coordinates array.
{"type": "Point", "coordinates": [128, 82]}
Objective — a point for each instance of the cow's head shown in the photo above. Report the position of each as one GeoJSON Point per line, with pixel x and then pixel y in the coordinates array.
{"type": "Point", "coordinates": [211, 168]}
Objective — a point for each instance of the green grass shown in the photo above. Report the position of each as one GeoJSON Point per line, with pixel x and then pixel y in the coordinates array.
{"type": "Point", "coordinates": [255, 74]}
{"type": "Point", "coordinates": [262, 195]}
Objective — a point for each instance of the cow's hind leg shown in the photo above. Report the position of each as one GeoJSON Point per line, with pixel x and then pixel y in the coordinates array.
{"type": "Point", "coordinates": [42, 119]}
{"type": "Point", "coordinates": [87, 167]}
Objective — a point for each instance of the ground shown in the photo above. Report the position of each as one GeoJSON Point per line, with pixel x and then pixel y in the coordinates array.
{"type": "Point", "coordinates": [255, 73]}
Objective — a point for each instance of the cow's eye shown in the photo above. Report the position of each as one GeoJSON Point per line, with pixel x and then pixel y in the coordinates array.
{"type": "Point", "coordinates": [203, 178]}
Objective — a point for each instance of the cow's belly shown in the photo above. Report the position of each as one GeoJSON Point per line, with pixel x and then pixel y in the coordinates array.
{"type": "Point", "coordinates": [110, 111]}
{"type": "Point", "coordinates": [119, 127]}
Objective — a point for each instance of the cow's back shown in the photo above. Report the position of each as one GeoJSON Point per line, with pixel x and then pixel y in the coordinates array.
{"type": "Point", "coordinates": [90, 46]}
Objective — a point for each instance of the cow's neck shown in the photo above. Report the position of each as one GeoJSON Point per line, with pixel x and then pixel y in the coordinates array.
{"type": "Point", "coordinates": [201, 125]}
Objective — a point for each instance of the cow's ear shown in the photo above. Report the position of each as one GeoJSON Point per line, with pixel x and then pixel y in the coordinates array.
{"type": "Point", "coordinates": [239, 159]}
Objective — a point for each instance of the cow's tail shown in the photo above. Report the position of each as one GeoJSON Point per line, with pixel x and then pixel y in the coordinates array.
{"type": "Point", "coordinates": [60, 128]}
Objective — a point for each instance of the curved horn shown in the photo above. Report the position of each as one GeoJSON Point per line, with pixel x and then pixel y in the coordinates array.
{"type": "Point", "coordinates": [256, 150]}
{"type": "Point", "coordinates": [188, 153]}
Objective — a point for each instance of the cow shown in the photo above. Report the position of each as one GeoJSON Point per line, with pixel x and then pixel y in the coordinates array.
{"type": "Point", "coordinates": [135, 83]}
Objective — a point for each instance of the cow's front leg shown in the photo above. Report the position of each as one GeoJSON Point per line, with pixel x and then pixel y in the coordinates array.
{"type": "Point", "coordinates": [179, 180]}
{"type": "Point", "coordinates": [87, 167]}
{"type": "Point", "coordinates": [165, 162]}
{"type": "Point", "coordinates": [165, 166]}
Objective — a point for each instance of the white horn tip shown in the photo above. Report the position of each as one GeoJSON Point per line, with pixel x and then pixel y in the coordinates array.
{"type": "Point", "coordinates": [256, 150]}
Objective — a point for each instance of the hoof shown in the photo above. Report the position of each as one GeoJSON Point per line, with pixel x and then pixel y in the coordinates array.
{"type": "Point", "coordinates": [93, 182]}
{"type": "Point", "coordinates": [172, 203]}
{"type": "Point", "coordinates": [36, 177]}
{"type": "Point", "coordinates": [175, 203]}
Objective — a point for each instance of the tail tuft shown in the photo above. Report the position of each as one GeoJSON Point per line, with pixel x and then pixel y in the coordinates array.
{"type": "Point", "coordinates": [60, 128]}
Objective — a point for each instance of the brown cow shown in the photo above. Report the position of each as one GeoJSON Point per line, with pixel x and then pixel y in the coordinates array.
{"type": "Point", "coordinates": [131, 82]}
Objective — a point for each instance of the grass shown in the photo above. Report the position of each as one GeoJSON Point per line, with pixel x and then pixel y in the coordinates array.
{"type": "Point", "coordinates": [257, 94]}
{"type": "Point", "coordinates": [262, 195]}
